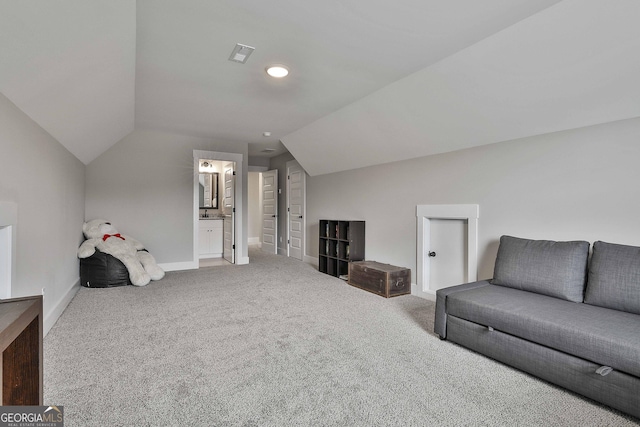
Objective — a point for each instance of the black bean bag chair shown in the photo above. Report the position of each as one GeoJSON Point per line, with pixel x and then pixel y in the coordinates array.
{"type": "Point", "coordinates": [102, 270]}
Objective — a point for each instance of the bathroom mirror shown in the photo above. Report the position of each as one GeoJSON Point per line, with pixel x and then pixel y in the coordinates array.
{"type": "Point", "coordinates": [208, 190]}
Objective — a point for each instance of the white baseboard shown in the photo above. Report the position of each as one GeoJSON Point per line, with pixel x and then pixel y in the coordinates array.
{"type": "Point", "coordinates": [311, 260]}
{"type": "Point", "coordinates": [210, 256]}
{"type": "Point", "coordinates": [175, 266]}
{"type": "Point", "coordinates": [190, 265]}
{"type": "Point", "coordinates": [429, 295]}
{"type": "Point", "coordinates": [51, 318]}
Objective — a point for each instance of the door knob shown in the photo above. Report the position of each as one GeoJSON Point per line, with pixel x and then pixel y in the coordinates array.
{"type": "Point", "coordinates": [300, 217]}
{"type": "Point", "coordinates": [432, 254]}
{"type": "Point", "coordinates": [273, 216]}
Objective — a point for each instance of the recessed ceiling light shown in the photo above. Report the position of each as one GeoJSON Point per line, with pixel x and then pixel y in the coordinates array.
{"type": "Point", "coordinates": [268, 150]}
{"type": "Point", "coordinates": [266, 133]}
{"type": "Point", "coordinates": [277, 71]}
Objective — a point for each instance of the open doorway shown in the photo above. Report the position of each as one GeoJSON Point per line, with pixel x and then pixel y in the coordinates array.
{"type": "Point", "coordinates": [218, 232]}
{"type": "Point", "coordinates": [262, 209]}
{"type": "Point", "coordinates": [254, 208]}
{"type": "Point", "coordinates": [277, 215]}
{"type": "Point", "coordinates": [211, 212]}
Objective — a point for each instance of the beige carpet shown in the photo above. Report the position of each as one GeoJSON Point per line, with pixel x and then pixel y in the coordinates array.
{"type": "Point", "coordinates": [275, 343]}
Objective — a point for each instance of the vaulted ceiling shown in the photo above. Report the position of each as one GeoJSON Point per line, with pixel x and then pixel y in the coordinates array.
{"type": "Point", "coordinates": [394, 79]}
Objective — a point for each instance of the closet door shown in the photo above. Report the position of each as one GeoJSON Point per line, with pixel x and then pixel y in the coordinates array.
{"type": "Point", "coordinates": [270, 211]}
{"type": "Point", "coordinates": [296, 188]}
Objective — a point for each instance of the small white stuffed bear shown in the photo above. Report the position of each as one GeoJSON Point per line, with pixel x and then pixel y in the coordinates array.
{"type": "Point", "coordinates": [102, 235]}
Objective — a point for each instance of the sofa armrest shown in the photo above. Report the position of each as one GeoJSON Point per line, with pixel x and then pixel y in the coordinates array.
{"type": "Point", "coordinates": [440, 323]}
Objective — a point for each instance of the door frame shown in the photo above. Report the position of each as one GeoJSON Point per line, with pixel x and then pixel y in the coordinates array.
{"type": "Point", "coordinates": [424, 214]}
{"type": "Point", "coordinates": [240, 223]}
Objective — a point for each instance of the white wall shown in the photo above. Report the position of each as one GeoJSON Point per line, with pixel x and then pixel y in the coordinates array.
{"type": "Point", "coordinates": [47, 183]}
{"type": "Point", "coordinates": [144, 186]}
{"type": "Point", "coordinates": [579, 184]}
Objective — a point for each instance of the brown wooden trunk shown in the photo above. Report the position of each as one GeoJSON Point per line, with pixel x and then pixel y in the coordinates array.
{"type": "Point", "coordinates": [382, 279]}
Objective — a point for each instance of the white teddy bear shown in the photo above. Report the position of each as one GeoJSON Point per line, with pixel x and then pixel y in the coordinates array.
{"type": "Point", "coordinates": [102, 235]}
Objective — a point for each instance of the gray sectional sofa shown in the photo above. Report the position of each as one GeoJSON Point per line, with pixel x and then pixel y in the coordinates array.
{"type": "Point", "coordinates": [551, 312]}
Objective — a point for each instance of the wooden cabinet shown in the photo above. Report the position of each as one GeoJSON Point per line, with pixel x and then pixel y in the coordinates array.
{"type": "Point", "coordinates": [210, 238]}
{"type": "Point", "coordinates": [340, 242]}
{"type": "Point", "coordinates": [21, 351]}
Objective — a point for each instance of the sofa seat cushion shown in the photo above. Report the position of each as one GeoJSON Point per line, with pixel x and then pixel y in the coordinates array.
{"type": "Point", "coordinates": [557, 269]}
{"type": "Point", "coordinates": [614, 277]}
{"type": "Point", "coordinates": [600, 335]}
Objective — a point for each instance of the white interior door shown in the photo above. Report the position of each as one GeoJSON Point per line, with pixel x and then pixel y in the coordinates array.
{"type": "Point", "coordinates": [270, 211]}
{"type": "Point", "coordinates": [447, 253]}
{"type": "Point", "coordinates": [465, 224]}
{"type": "Point", "coordinates": [228, 208]}
{"type": "Point", "coordinates": [296, 186]}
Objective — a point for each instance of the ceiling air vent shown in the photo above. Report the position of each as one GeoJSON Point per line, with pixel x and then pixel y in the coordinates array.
{"type": "Point", "coordinates": [241, 53]}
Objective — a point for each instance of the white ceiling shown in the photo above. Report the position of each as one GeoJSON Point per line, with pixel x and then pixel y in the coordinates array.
{"type": "Point", "coordinates": [573, 65]}
{"type": "Point", "coordinates": [70, 66]}
{"type": "Point", "coordinates": [91, 72]}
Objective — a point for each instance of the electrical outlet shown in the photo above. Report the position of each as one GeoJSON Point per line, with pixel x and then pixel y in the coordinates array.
{"type": "Point", "coordinates": [280, 239]}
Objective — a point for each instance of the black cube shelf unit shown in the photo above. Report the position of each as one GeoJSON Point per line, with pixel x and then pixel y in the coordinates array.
{"type": "Point", "coordinates": [340, 242]}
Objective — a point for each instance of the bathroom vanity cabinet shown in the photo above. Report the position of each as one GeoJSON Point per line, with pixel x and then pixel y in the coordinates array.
{"type": "Point", "coordinates": [210, 238]}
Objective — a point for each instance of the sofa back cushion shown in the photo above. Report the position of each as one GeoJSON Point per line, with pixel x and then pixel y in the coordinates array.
{"type": "Point", "coordinates": [614, 277]}
{"type": "Point", "coordinates": [557, 269]}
